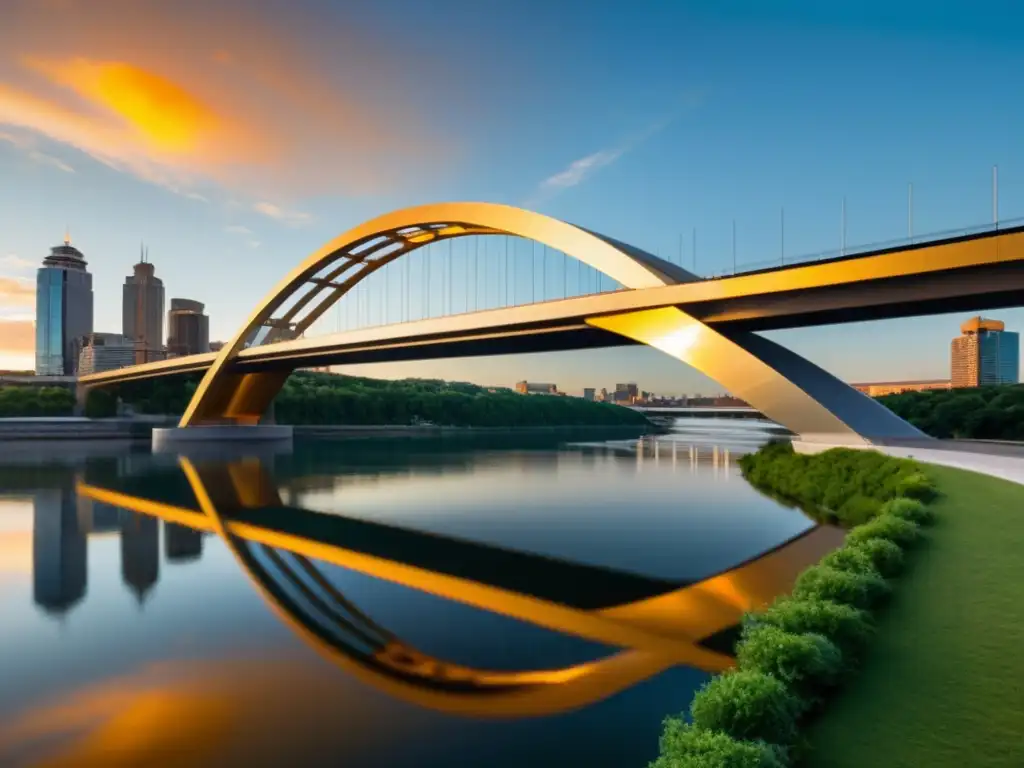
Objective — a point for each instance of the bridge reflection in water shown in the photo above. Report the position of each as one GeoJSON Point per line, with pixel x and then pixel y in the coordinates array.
{"type": "Point", "coordinates": [655, 622]}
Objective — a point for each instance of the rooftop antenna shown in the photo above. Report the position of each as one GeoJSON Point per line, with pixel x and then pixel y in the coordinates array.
{"type": "Point", "coordinates": [67, 235]}
{"type": "Point", "coordinates": [142, 253]}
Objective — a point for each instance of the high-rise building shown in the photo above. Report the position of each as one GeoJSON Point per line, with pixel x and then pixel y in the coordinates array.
{"type": "Point", "coordinates": [984, 353]}
{"type": "Point", "coordinates": [142, 311]}
{"type": "Point", "coordinates": [181, 543]}
{"type": "Point", "coordinates": [63, 310]}
{"type": "Point", "coordinates": [536, 388]}
{"type": "Point", "coordinates": [626, 393]}
{"type": "Point", "coordinates": [140, 553]}
{"type": "Point", "coordinates": [188, 329]}
{"type": "Point", "coordinates": [589, 393]}
{"type": "Point", "coordinates": [105, 352]}
{"type": "Point", "coordinates": [58, 551]}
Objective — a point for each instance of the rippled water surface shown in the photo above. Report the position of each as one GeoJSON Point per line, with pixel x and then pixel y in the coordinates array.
{"type": "Point", "coordinates": [478, 601]}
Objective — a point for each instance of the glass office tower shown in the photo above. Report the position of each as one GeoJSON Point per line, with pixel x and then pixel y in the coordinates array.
{"type": "Point", "coordinates": [984, 353]}
{"type": "Point", "coordinates": [63, 310]}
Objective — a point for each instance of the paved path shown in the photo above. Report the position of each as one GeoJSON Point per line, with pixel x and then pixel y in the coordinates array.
{"type": "Point", "coordinates": [1003, 460]}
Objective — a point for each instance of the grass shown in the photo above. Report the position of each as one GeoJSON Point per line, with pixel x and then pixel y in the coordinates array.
{"type": "Point", "coordinates": [943, 681]}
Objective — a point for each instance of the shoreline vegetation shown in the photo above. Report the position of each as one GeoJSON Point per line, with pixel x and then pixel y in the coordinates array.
{"type": "Point", "coordinates": [333, 400]}
{"type": "Point", "coordinates": [795, 655]}
{"type": "Point", "coordinates": [975, 413]}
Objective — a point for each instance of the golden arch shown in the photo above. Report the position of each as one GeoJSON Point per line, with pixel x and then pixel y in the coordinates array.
{"type": "Point", "coordinates": [780, 384]}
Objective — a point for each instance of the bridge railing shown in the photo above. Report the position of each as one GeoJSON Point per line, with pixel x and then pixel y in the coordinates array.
{"type": "Point", "coordinates": [861, 249]}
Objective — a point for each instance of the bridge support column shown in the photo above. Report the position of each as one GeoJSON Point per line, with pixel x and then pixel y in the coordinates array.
{"type": "Point", "coordinates": [783, 386]}
{"type": "Point", "coordinates": [234, 398]}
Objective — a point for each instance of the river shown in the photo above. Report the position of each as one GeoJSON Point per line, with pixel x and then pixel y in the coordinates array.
{"type": "Point", "coordinates": [494, 601]}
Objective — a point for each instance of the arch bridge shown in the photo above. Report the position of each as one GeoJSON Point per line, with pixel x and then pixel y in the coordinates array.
{"type": "Point", "coordinates": [711, 325]}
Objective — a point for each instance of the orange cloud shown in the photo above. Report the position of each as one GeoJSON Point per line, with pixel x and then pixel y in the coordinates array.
{"type": "Point", "coordinates": [217, 95]}
{"type": "Point", "coordinates": [17, 336]}
{"type": "Point", "coordinates": [17, 292]}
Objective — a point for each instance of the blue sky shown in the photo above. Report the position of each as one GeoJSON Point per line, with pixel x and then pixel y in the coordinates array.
{"type": "Point", "coordinates": [653, 119]}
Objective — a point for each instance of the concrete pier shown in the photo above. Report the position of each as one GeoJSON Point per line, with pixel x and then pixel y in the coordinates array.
{"type": "Point", "coordinates": [177, 438]}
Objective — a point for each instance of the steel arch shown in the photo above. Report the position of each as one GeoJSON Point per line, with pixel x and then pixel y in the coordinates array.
{"type": "Point", "coordinates": [784, 386]}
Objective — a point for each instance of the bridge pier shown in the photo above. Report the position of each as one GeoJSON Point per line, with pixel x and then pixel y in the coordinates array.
{"type": "Point", "coordinates": [215, 439]}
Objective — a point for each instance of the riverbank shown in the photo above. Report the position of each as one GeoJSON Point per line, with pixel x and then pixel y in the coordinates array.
{"type": "Point", "coordinates": [76, 429]}
{"type": "Point", "coordinates": [941, 684]}
{"type": "Point", "coordinates": [794, 656]}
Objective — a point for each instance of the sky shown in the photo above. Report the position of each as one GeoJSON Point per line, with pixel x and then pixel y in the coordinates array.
{"type": "Point", "coordinates": [235, 138]}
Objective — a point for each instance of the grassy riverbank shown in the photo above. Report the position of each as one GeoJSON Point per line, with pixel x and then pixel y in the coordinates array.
{"type": "Point", "coordinates": [798, 654]}
{"type": "Point", "coordinates": [941, 686]}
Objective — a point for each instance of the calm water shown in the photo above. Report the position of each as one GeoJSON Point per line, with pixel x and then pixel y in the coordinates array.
{"type": "Point", "coordinates": [378, 603]}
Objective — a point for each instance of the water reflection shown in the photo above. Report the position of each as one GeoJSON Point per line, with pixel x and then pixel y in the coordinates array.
{"type": "Point", "coordinates": [434, 604]}
{"type": "Point", "coordinates": [659, 623]}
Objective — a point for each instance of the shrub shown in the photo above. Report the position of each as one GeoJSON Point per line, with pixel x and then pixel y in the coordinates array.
{"type": "Point", "coordinates": [861, 590]}
{"type": "Point", "coordinates": [851, 560]}
{"type": "Point", "coordinates": [886, 557]}
{"type": "Point", "coordinates": [889, 527]}
{"type": "Point", "coordinates": [846, 626]}
{"type": "Point", "coordinates": [909, 509]}
{"type": "Point", "coordinates": [808, 663]}
{"type": "Point", "coordinates": [685, 746]}
{"type": "Point", "coordinates": [747, 705]}
{"type": "Point", "coordinates": [916, 486]}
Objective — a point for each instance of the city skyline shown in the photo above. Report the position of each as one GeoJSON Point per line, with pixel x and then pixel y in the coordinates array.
{"type": "Point", "coordinates": [645, 151]}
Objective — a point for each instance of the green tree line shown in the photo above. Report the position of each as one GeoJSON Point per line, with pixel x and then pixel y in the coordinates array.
{"type": "Point", "coordinates": [36, 401]}
{"type": "Point", "coordinates": [980, 413]}
{"type": "Point", "coordinates": [320, 398]}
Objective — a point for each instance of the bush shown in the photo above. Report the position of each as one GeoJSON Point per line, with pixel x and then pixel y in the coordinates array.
{"type": "Point", "coordinates": [851, 560]}
{"type": "Point", "coordinates": [747, 705]}
{"type": "Point", "coordinates": [886, 557]}
{"type": "Point", "coordinates": [846, 626]}
{"type": "Point", "coordinates": [901, 532]}
{"type": "Point", "coordinates": [685, 746]}
{"type": "Point", "coordinates": [916, 486]}
{"type": "Point", "coordinates": [861, 590]}
{"type": "Point", "coordinates": [808, 663]}
{"type": "Point", "coordinates": [100, 404]}
{"type": "Point", "coordinates": [845, 485]}
{"type": "Point", "coordinates": [909, 509]}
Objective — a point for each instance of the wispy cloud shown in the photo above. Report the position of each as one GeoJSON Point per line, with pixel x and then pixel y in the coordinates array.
{"type": "Point", "coordinates": [237, 229]}
{"type": "Point", "coordinates": [16, 292]}
{"type": "Point", "coordinates": [28, 145]}
{"type": "Point", "coordinates": [292, 218]}
{"type": "Point", "coordinates": [578, 171]}
{"type": "Point", "coordinates": [14, 263]}
{"type": "Point", "coordinates": [255, 243]}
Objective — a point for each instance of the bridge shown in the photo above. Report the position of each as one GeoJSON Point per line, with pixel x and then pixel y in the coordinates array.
{"type": "Point", "coordinates": [698, 411]}
{"type": "Point", "coordinates": [652, 624]}
{"type": "Point", "coordinates": [710, 324]}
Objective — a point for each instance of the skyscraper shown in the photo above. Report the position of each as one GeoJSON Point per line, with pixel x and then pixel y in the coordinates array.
{"type": "Point", "coordinates": [188, 329]}
{"type": "Point", "coordinates": [58, 551]}
{"type": "Point", "coordinates": [142, 310]}
{"type": "Point", "coordinates": [105, 352]}
{"type": "Point", "coordinates": [140, 553]}
{"type": "Point", "coordinates": [63, 310]}
{"type": "Point", "coordinates": [984, 353]}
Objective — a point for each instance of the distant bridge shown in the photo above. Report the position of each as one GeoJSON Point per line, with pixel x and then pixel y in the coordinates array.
{"type": "Point", "coordinates": [708, 324]}
{"type": "Point", "coordinates": [727, 411]}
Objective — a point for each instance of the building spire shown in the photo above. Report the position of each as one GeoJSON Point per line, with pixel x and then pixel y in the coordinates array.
{"type": "Point", "coordinates": [67, 235]}
{"type": "Point", "coordinates": [142, 253]}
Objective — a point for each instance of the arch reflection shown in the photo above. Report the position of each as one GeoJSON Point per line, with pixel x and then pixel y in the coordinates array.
{"type": "Point", "coordinates": [655, 622]}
